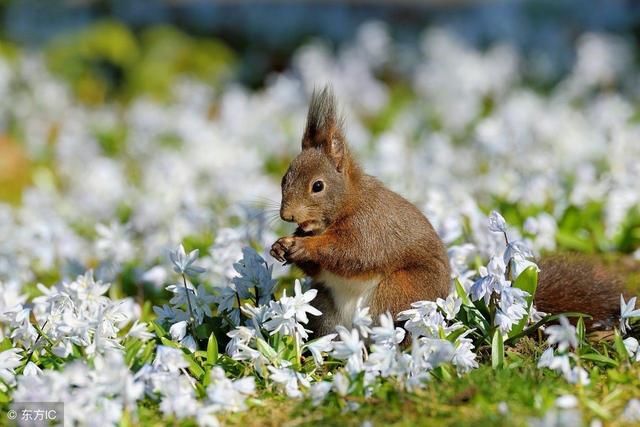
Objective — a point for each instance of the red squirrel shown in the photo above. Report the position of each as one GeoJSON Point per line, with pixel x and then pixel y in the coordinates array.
{"type": "Point", "coordinates": [358, 239]}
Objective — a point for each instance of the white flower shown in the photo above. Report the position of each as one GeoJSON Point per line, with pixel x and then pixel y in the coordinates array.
{"type": "Point", "coordinates": [627, 311]}
{"type": "Point", "coordinates": [239, 347]}
{"type": "Point", "coordinates": [178, 332]}
{"type": "Point", "coordinates": [139, 330]}
{"type": "Point", "coordinates": [319, 345]}
{"type": "Point", "coordinates": [255, 275]}
{"type": "Point", "coordinates": [423, 319]}
{"type": "Point", "coordinates": [228, 395]}
{"type": "Point", "coordinates": [169, 359]}
{"type": "Point", "coordinates": [512, 308]}
{"type": "Point", "coordinates": [341, 383]}
{"type": "Point", "coordinates": [387, 334]}
{"type": "Point", "coordinates": [32, 370]}
{"type": "Point", "coordinates": [290, 380]}
{"type": "Point", "coordinates": [516, 248]}
{"type": "Point", "coordinates": [563, 334]}
{"type": "Point", "coordinates": [382, 360]}
{"type": "Point", "coordinates": [282, 319]}
{"type": "Point", "coordinates": [183, 263]}
{"type": "Point", "coordinates": [362, 319]}
{"type": "Point", "coordinates": [199, 300]}
{"type": "Point", "coordinates": [544, 228]}
{"type": "Point", "coordinates": [156, 275]}
{"type": "Point", "coordinates": [464, 358]}
{"type": "Point", "coordinates": [113, 242]}
{"type": "Point", "coordinates": [567, 401]}
{"type": "Point", "coordinates": [560, 363]}
{"type": "Point", "coordinates": [492, 280]}
{"type": "Point", "coordinates": [227, 300]}
{"type": "Point", "coordinates": [169, 314]}
{"type": "Point", "coordinates": [256, 315]}
{"type": "Point", "coordinates": [631, 344]}
{"type": "Point", "coordinates": [9, 360]}
{"type": "Point", "coordinates": [518, 264]}
{"type": "Point", "coordinates": [450, 306]}
{"type": "Point", "coordinates": [300, 303]}
{"type": "Point", "coordinates": [178, 398]}
{"type": "Point", "coordinates": [503, 408]}
{"type": "Point", "coordinates": [546, 358]}
{"type": "Point", "coordinates": [577, 375]}
{"type": "Point", "coordinates": [497, 223]}
{"type": "Point", "coordinates": [631, 412]}
{"type": "Point", "coordinates": [349, 348]}
{"type": "Point", "coordinates": [205, 417]}
{"type": "Point", "coordinates": [318, 392]}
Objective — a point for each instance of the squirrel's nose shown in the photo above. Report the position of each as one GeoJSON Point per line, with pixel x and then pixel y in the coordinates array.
{"type": "Point", "coordinates": [286, 215]}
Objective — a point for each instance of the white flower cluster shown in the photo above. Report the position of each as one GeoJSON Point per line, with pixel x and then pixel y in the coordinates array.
{"type": "Point", "coordinates": [73, 313]}
{"type": "Point", "coordinates": [562, 359]}
{"type": "Point", "coordinates": [168, 377]}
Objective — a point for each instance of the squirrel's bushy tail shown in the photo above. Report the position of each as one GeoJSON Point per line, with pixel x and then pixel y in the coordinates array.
{"type": "Point", "coordinates": [574, 283]}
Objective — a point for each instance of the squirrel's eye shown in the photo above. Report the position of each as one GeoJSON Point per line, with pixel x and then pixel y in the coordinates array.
{"type": "Point", "coordinates": [318, 186]}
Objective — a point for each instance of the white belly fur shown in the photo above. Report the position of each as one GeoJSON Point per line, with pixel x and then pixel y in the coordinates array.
{"type": "Point", "coordinates": [346, 291]}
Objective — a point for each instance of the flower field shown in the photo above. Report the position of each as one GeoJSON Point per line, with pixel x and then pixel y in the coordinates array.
{"type": "Point", "coordinates": [139, 200]}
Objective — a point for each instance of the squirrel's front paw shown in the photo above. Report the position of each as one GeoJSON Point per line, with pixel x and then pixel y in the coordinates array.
{"type": "Point", "coordinates": [279, 248]}
{"type": "Point", "coordinates": [290, 249]}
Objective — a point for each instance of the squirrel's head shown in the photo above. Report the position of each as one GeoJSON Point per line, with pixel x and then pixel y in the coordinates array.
{"type": "Point", "coordinates": [315, 187]}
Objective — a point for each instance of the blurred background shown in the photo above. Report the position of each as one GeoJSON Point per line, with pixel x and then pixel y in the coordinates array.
{"type": "Point", "coordinates": [259, 37]}
{"type": "Point", "coordinates": [128, 126]}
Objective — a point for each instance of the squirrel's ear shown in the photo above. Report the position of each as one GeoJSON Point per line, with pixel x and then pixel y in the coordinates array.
{"type": "Point", "coordinates": [324, 127]}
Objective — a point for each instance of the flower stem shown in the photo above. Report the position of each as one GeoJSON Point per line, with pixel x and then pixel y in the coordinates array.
{"type": "Point", "coordinates": [257, 296]}
{"type": "Point", "coordinates": [238, 300]}
{"type": "Point", "coordinates": [298, 363]}
{"type": "Point", "coordinates": [35, 343]}
{"type": "Point", "coordinates": [506, 239]}
{"type": "Point", "coordinates": [192, 319]}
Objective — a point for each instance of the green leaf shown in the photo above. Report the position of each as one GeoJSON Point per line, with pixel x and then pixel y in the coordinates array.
{"type": "Point", "coordinates": [598, 409]}
{"type": "Point", "coordinates": [483, 309]}
{"type": "Point", "coordinates": [528, 282]}
{"type": "Point", "coordinates": [212, 349]}
{"type": "Point", "coordinates": [147, 353]}
{"type": "Point", "coordinates": [580, 331]}
{"type": "Point", "coordinates": [160, 332]}
{"type": "Point", "coordinates": [462, 294]}
{"type": "Point", "coordinates": [594, 357]}
{"type": "Point", "coordinates": [169, 343]}
{"type": "Point", "coordinates": [266, 350]}
{"type": "Point", "coordinates": [132, 349]}
{"type": "Point", "coordinates": [623, 355]}
{"type": "Point", "coordinates": [194, 367]}
{"type": "Point", "coordinates": [497, 350]}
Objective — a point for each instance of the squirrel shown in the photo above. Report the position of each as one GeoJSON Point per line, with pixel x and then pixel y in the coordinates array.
{"type": "Point", "coordinates": [357, 239]}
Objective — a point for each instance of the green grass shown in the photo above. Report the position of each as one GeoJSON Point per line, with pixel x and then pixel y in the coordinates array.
{"type": "Point", "coordinates": [478, 398]}
{"type": "Point", "coordinates": [473, 399]}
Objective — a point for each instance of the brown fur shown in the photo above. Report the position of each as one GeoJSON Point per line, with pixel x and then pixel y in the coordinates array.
{"type": "Point", "coordinates": [356, 227]}
{"type": "Point", "coordinates": [577, 283]}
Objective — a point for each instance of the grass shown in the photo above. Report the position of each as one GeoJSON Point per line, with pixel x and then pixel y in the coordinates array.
{"type": "Point", "coordinates": [474, 399]}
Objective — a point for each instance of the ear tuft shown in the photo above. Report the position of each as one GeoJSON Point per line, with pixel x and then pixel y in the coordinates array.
{"type": "Point", "coordinates": [324, 127]}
